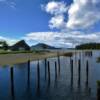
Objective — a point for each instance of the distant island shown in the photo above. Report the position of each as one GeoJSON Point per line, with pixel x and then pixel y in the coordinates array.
{"type": "Point", "coordinates": [88, 46]}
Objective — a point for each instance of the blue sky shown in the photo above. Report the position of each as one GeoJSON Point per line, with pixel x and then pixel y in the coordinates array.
{"type": "Point", "coordinates": [62, 23]}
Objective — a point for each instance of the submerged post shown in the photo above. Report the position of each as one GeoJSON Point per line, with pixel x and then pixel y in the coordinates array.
{"type": "Point", "coordinates": [12, 83]}
{"type": "Point", "coordinates": [79, 71]}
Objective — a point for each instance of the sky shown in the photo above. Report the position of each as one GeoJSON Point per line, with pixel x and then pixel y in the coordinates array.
{"type": "Point", "coordinates": [60, 23]}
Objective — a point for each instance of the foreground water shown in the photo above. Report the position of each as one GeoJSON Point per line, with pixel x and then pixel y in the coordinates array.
{"type": "Point", "coordinates": [36, 85]}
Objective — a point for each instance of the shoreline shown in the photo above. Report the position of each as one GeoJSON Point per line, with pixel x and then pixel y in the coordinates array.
{"type": "Point", "coordinates": [11, 59]}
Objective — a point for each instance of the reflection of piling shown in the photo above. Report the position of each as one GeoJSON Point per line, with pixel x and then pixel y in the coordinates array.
{"type": "Point", "coordinates": [55, 71]}
{"type": "Point", "coordinates": [45, 64]}
{"type": "Point", "coordinates": [12, 83]}
{"type": "Point", "coordinates": [87, 72]}
{"type": "Point", "coordinates": [38, 79]}
{"type": "Point", "coordinates": [48, 72]}
{"type": "Point", "coordinates": [28, 69]}
{"type": "Point", "coordinates": [79, 71]}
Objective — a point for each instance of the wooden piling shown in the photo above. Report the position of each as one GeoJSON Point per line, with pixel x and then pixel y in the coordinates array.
{"type": "Point", "coordinates": [48, 71]}
{"type": "Point", "coordinates": [71, 65]}
{"type": "Point", "coordinates": [28, 73]}
{"type": "Point", "coordinates": [55, 70]}
{"type": "Point", "coordinates": [87, 72]}
{"type": "Point", "coordinates": [12, 83]}
{"type": "Point", "coordinates": [38, 79]}
{"type": "Point", "coordinates": [45, 64]}
{"type": "Point", "coordinates": [58, 63]}
{"type": "Point", "coordinates": [79, 71]}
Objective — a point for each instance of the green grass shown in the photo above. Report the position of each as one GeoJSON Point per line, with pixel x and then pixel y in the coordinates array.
{"type": "Point", "coordinates": [17, 52]}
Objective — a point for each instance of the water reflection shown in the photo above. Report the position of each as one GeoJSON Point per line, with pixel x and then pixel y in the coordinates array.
{"type": "Point", "coordinates": [37, 80]}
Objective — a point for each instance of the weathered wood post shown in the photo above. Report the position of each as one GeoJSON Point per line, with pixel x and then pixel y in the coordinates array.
{"type": "Point", "coordinates": [87, 72]}
{"type": "Point", "coordinates": [12, 83]}
{"type": "Point", "coordinates": [28, 73]}
{"type": "Point", "coordinates": [58, 63]}
{"type": "Point", "coordinates": [48, 80]}
{"type": "Point", "coordinates": [71, 65]}
{"type": "Point", "coordinates": [55, 70]}
{"type": "Point", "coordinates": [55, 82]}
{"type": "Point", "coordinates": [48, 72]}
{"type": "Point", "coordinates": [98, 90]}
{"type": "Point", "coordinates": [45, 64]}
{"type": "Point", "coordinates": [79, 72]}
{"type": "Point", "coordinates": [38, 79]}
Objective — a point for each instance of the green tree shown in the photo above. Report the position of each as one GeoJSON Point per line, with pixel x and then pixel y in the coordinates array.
{"type": "Point", "coordinates": [4, 45]}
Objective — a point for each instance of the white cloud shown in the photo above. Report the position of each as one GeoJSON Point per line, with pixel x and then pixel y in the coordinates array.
{"type": "Point", "coordinates": [57, 9]}
{"type": "Point", "coordinates": [57, 22]}
{"type": "Point", "coordinates": [82, 14]}
{"type": "Point", "coordinates": [10, 41]}
{"type": "Point", "coordinates": [9, 3]}
{"type": "Point", "coordinates": [59, 39]}
{"type": "Point", "coordinates": [70, 39]}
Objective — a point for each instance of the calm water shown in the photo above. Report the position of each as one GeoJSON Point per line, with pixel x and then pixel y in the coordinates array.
{"type": "Point", "coordinates": [64, 87]}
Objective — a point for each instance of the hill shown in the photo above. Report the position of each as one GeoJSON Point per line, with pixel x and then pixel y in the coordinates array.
{"type": "Point", "coordinates": [42, 46]}
{"type": "Point", "coordinates": [20, 45]}
{"type": "Point", "coordinates": [88, 46]}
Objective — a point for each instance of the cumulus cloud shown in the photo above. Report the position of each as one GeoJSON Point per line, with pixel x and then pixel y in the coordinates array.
{"type": "Point", "coordinates": [59, 39]}
{"type": "Point", "coordinates": [57, 22]}
{"type": "Point", "coordinates": [57, 9]}
{"type": "Point", "coordinates": [83, 13]}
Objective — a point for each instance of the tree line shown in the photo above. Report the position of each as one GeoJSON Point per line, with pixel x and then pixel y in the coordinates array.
{"type": "Point", "coordinates": [88, 46]}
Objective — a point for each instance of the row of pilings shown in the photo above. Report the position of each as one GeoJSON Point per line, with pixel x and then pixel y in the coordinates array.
{"type": "Point", "coordinates": [48, 74]}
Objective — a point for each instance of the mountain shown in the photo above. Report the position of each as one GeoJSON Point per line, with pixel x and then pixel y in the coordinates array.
{"type": "Point", "coordinates": [42, 46]}
{"type": "Point", "coordinates": [21, 45]}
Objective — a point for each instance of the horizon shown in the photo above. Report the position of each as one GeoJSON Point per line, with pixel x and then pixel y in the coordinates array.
{"type": "Point", "coordinates": [59, 23]}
